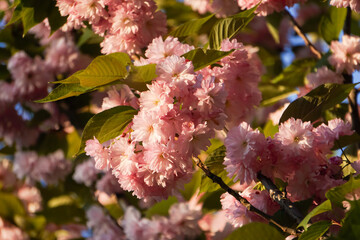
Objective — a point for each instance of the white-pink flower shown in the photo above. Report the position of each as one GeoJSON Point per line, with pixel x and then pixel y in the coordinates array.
{"type": "Point", "coordinates": [323, 75]}
{"type": "Point", "coordinates": [295, 135]}
{"type": "Point", "coordinates": [346, 54]}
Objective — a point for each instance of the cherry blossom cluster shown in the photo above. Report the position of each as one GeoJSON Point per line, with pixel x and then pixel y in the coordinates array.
{"type": "Point", "coordinates": [86, 173]}
{"type": "Point", "coordinates": [103, 227]}
{"type": "Point", "coordinates": [28, 195]}
{"type": "Point", "coordinates": [345, 55]}
{"type": "Point", "coordinates": [237, 213]}
{"type": "Point", "coordinates": [323, 75]}
{"type": "Point", "coordinates": [298, 155]}
{"type": "Point", "coordinates": [34, 168]}
{"type": "Point", "coordinates": [182, 223]}
{"type": "Point", "coordinates": [30, 78]}
{"type": "Point", "coordinates": [240, 72]}
{"type": "Point", "coordinates": [177, 116]}
{"type": "Point", "coordinates": [9, 231]}
{"type": "Point", "coordinates": [127, 26]}
{"type": "Point", "coordinates": [229, 7]}
{"type": "Point", "coordinates": [354, 4]}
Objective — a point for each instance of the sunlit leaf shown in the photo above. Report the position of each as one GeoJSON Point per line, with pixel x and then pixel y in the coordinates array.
{"type": "Point", "coordinates": [105, 69]}
{"type": "Point", "coordinates": [256, 231]}
{"type": "Point", "coordinates": [315, 231]}
{"type": "Point", "coordinates": [229, 27]}
{"type": "Point", "coordinates": [332, 23]}
{"type": "Point", "coordinates": [215, 164]}
{"type": "Point", "coordinates": [323, 207]}
{"type": "Point", "coordinates": [201, 58]}
{"type": "Point", "coordinates": [312, 105]}
{"type": "Point", "coordinates": [107, 124]}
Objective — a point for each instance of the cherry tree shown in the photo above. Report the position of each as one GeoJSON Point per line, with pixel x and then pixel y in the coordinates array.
{"type": "Point", "coordinates": [202, 119]}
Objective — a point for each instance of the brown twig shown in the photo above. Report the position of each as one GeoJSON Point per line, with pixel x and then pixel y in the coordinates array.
{"type": "Point", "coordinates": [280, 198]}
{"type": "Point", "coordinates": [301, 33]}
{"type": "Point", "coordinates": [237, 196]}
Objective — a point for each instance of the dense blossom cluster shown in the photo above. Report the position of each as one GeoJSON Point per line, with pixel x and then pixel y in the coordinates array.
{"type": "Point", "coordinates": [30, 78]}
{"type": "Point", "coordinates": [34, 168]}
{"type": "Point", "coordinates": [180, 111]}
{"type": "Point", "coordinates": [298, 154]}
{"type": "Point", "coordinates": [177, 117]}
{"type": "Point", "coordinates": [182, 223]}
{"type": "Point", "coordinates": [240, 72]}
{"type": "Point", "coordinates": [127, 26]}
{"type": "Point", "coordinates": [229, 7]}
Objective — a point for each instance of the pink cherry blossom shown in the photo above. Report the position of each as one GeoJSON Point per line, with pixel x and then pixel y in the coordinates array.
{"type": "Point", "coordinates": [243, 145]}
{"type": "Point", "coordinates": [96, 150]}
{"type": "Point", "coordinates": [354, 4]}
{"type": "Point", "coordinates": [323, 75]}
{"type": "Point", "coordinates": [86, 173]}
{"type": "Point", "coordinates": [346, 54]}
{"type": "Point", "coordinates": [296, 135]}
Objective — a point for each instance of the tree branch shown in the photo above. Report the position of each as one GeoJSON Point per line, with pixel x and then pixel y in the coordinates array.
{"type": "Point", "coordinates": [280, 198]}
{"type": "Point", "coordinates": [301, 33]}
{"type": "Point", "coordinates": [237, 196]}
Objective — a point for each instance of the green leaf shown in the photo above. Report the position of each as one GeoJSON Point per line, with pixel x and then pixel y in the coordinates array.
{"type": "Point", "coordinates": [65, 91]}
{"type": "Point", "coordinates": [161, 208]}
{"type": "Point", "coordinates": [273, 22]}
{"type": "Point", "coordinates": [350, 227]}
{"type": "Point", "coordinates": [315, 231]}
{"type": "Point", "coordinates": [72, 79]}
{"type": "Point", "coordinates": [191, 187]}
{"type": "Point", "coordinates": [272, 93]}
{"type": "Point", "coordinates": [88, 36]}
{"type": "Point", "coordinates": [215, 164]}
{"type": "Point", "coordinates": [201, 58]}
{"type": "Point", "coordinates": [64, 214]}
{"type": "Point", "coordinates": [114, 210]}
{"type": "Point", "coordinates": [294, 74]}
{"type": "Point", "coordinates": [270, 129]}
{"type": "Point", "coordinates": [16, 16]}
{"type": "Point", "coordinates": [34, 12]}
{"type": "Point", "coordinates": [191, 27]}
{"type": "Point", "coordinates": [256, 231]}
{"type": "Point", "coordinates": [107, 124]}
{"type": "Point", "coordinates": [56, 21]}
{"type": "Point", "coordinates": [105, 69]}
{"type": "Point", "coordinates": [337, 194]}
{"type": "Point", "coordinates": [140, 76]}
{"type": "Point", "coordinates": [229, 27]}
{"type": "Point", "coordinates": [332, 23]}
{"type": "Point", "coordinates": [324, 207]}
{"type": "Point", "coordinates": [10, 206]}
{"type": "Point", "coordinates": [312, 105]}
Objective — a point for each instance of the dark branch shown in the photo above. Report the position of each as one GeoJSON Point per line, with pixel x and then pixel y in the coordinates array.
{"type": "Point", "coordinates": [280, 198]}
{"type": "Point", "coordinates": [237, 196]}
{"type": "Point", "coordinates": [301, 33]}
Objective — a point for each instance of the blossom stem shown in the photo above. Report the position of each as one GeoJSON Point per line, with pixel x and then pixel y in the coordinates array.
{"type": "Point", "coordinates": [238, 197]}
{"type": "Point", "coordinates": [280, 198]}
{"type": "Point", "coordinates": [301, 33]}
